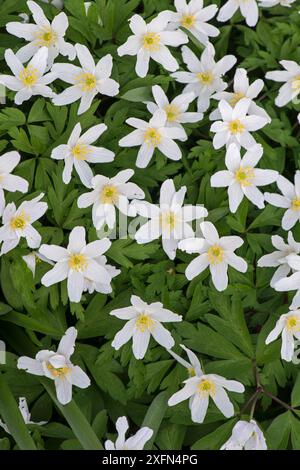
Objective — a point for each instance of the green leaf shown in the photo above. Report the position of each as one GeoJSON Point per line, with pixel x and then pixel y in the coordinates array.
{"type": "Point", "coordinates": [278, 432]}
{"type": "Point", "coordinates": [138, 94]}
{"type": "Point", "coordinates": [77, 421]}
{"type": "Point", "coordinates": [295, 398]}
{"type": "Point", "coordinates": [215, 439]}
{"type": "Point", "coordinates": [12, 417]}
{"type": "Point", "coordinates": [155, 415]}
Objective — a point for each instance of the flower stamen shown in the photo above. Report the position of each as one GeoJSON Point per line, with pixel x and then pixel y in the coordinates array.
{"type": "Point", "coordinates": [236, 126]}
{"type": "Point", "coordinates": [29, 76]}
{"type": "Point", "coordinates": [144, 322]}
{"type": "Point", "coordinates": [206, 78]}
{"type": "Point", "coordinates": [206, 387]}
{"type": "Point", "coordinates": [296, 83]}
{"type": "Point", "coordinates": [86, 81]}
{"type": "Point", "coordinates": [78, 262]}
{"type": "Point", "coordinates": [215, 254]}
{"type": "Point", "coordinates": [168, 220]}
{"type": "Point", "coordinates": [188, 21]}
{"type": "Point", "coordinates": [172, 112]}
{"type": "Point", "coordinates": [109, 194]}
{"type": "Point", "coordinates": [293, 324]}
{"type": "Point", "coordinates": [236, 98]}
{"type": "Point", "coordinates": [46, 37]}
{"type": "Point", "coordinates": [80, 151]}
{"type": "Point", "coordinates": [19, 222]}
{"type": "Point", "coordinates": [244, 176]}
{"type": "Point", "coordinates": [295, 204]}
{"type": "Point", "coordinates": [151, 42]}
{"type": "Point", "coordinates": [59, 371]}
{"type": "Point", "coordinates": [152, 137]}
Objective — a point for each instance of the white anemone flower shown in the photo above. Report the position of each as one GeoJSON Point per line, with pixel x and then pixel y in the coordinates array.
{"type": "Point", "coordinates": [30, 80]}
{"type": "Point", "coordinates": [33, 258]}
{"type": "Point", "coordinates": [108, 194]}
{"type": "Point", "coordinates": [78, 152]}
{"type": "Point", "coordinates": [280, 257]}
{"type": "Point", "coordinates": [198, 390]}
{"type": "Point", "coordinates": [169, 220]}
{"type": "Point", "coordinates": [288, 326]}
{"type": "Point", "coordinates": [236, 124]}
{"type": "Point", "coordinates": [143, 321]}
{"type": "Point", "coordinates": [153, 135]}
{"type": "Point", "coordinates": [273, 3]}
{"type": "Point", "coordinates": [291, 79]}
{"type": "Point", "coordinates": [56, 3]}
{"type": "Point", "coordinates": [242, 178]}
{"type": "Point", "coordinates": [193, 367]}
{"type": "Point", "coordinates": [87, 80]}
{"type": "Point", "coordinates": [98, 286]}
{"type": "Point", "coordinates": [42, 34]}
{"type": "Point", "coordinates": [194, 17]}
{"type": "Point", "coordinates": [246, 435]}
{"type": "Point", "coordinates": [204, 77]}
{"type": "Point", "coordinates": [289, 200]}
{"type": "Point", "coordinates": [23, 407]}
{"type": "Point", "coordinates": [241, 89]}
{"type": "Point", "coordinates": [150, 41]}
{"type": "Point", "coordinates": [176, 110]}
{"type": "Point", "coordinates": [76, 263]}
{"type": "Point", "coordinates": [57, 366]}
{"type": "Point", "coordinates": [287, 283]}
{"type": "Point", "coordinates": [135, 442]}
{"type": "Point", "coordinates": [8, 182]}
{"type": "Point", "coordinates": [213, 252]}
{"type": "Point", "coordinates": [24, 17]}
{"type": "Point", "coordinates": [248, 9]}
{"type": "Point", "coordinates": [17, 223]}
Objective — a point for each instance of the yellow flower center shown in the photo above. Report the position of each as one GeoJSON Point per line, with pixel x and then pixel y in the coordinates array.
{"type": "Point", "coordinates": [191, 371]}
{"type": "Point", "coordinates": [144, 323]}
{"type": "Point", "coordinates": [109, 194]}
{"type": "Point", "coordinates": [244, 176]}
{"type": "Point", "coordinates": [292, 323]}
{"type": "Point", "coordinates": [205, 78]}
{"type": "Point", "coordinates": [172, 112]}
{"type": "Point", "coordinates": [80, 151]}
{"type": "Point", "coordinates": [47, 37]}
{"type": "Point", "coordinates": [152, 137]}
{"type": "Point", "coordinates": [168, 220]}
{"type": "Point", "coordinates": [236, 127]}
{"type": "Point", "coordinates": [236, 98]}
{"type": "Point", "coordinates": [29, 76]}
{"type": "Point", "coordinates": [78, 262]}
{"type": "Point", "coordinates": [151, 42]}
{"type": "Point", "coordinates": [296, 83]}
{"type": "Point", "coordinates": [206, 387]}
{"type": "Point", "coordinates": [86, 81]}
{"type": "Point", "coordinates": [215, 254]}
{"type": "Point", "coordinates": [188, 21]}
{"type": "Point", "coordinates": [19, 222]}
{"type": "Point", "coordinates": [295, 204]}
{"type": "Point", "coordinates": [59, 371]}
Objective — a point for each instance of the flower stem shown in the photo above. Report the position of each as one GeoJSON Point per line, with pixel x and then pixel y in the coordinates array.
{"type": "Point", "coordinates": [282, 403]}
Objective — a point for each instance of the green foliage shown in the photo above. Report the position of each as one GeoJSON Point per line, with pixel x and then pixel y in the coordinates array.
{"type": "Point", "coordinates": [227, 331]}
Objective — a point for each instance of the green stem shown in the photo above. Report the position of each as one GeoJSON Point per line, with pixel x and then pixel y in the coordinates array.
{"type": "Point", "coordinates": [76, 419]}
{"type": "Point", "coordinates": [13, 419]}
{"type": "Point", "coordinates": [254, 405]}
{"type": "Point", "coordinates": [253, 397]}
{"type": "Point", "coordinates": [282, 403]}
